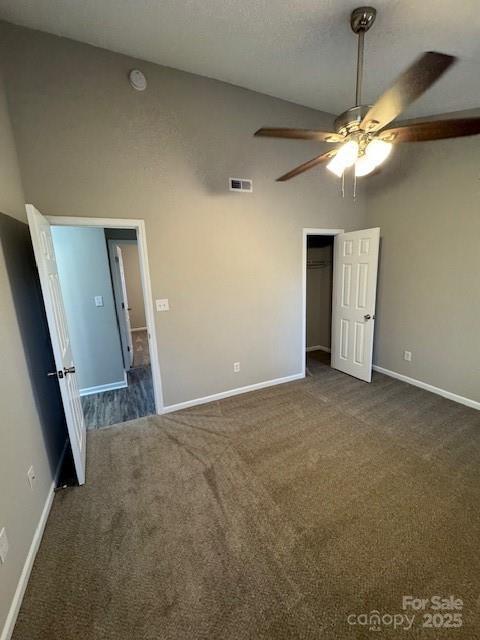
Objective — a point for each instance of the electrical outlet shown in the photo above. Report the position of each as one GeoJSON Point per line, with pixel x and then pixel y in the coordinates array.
{"type": "Point", "coordinates": [236, 367]}
{"type": "Point", "coordinates": [99, 301]}
{"type": "Point", "coordinates": [31, 477]}
{"type": "Point", "coordinates": [3, 545]}
{"type": "Point", "coordinates": [407, 355]}
{"type": "Point", "coordinates": [162, 305]}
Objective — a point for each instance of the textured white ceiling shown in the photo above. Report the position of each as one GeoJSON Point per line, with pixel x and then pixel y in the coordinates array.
{"type": "Point", "coordinates": [299, 50]}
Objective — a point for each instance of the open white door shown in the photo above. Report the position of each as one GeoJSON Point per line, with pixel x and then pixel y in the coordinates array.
{"type": "Point", "coordinates": [125, 307]}
{"type": "Point", "coordinates": [57, 323]}
{"type": "Point", "coordinates": [121, 302]}
{"type": "Point", "coordinates": [355, 266]}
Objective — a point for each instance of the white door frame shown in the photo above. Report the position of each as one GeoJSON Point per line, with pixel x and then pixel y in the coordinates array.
{"type": "Point", "coordinates": [309, 232]}
{"type": "Point", "coordinates": [139, 227]}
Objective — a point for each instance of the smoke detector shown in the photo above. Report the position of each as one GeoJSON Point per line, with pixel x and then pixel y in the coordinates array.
{"type": "Point", "coordinates": [137, 80]}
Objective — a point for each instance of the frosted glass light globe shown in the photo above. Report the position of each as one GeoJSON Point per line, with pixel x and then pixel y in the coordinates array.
{"type": "Point", "coordinates": [344, 158]}
{"type": "Point", "coordinates": [363, 166]}
{"type": "Point", "coordinates": [377, 151]}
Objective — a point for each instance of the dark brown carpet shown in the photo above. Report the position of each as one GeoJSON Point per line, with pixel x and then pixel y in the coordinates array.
{"type": "Point", "coordinates": [271, 515]}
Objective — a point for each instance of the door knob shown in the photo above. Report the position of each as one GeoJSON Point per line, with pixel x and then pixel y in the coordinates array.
{"type": "Point", "coordinates": [68, 370]}
{"type": "Point", "coordinates": [367, 317]}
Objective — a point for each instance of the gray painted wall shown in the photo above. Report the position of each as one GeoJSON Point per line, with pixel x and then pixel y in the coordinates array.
{"type": "Point", "coordinates": [12, 199]}
{"type": "Point", "coordinates": [32, 428]}
{"type": "Point", "coordinates": [426, 202]}
{"type": "Point", "coordinates": [89, 145]}
{"type": "Point", "coordinates": [84, 273]}
{"type": "Point", "coordinates": [319, 298]}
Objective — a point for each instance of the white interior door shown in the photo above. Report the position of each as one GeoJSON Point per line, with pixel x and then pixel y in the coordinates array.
{"type": "Point", "coordinates": [57, 323]}
{"type": "Point", "coordinates": [125, 332]}
{"type": "Point", "coordinates": [124, 303]}
{"type": "Point", "coordinates": [355, 266]}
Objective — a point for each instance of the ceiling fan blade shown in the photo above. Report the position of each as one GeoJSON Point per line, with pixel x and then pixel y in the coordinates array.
{"type": "Point", "coordinates": [299, 134]}
{"type": "Point", "coordinates": [433, 130]}
{"type": "Point", "coordinates": [307, 165]}
{"type": "Point", "coordinates": [410, 85]}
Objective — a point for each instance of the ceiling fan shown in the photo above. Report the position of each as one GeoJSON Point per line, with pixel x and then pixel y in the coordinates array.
{"type": "Point", "coordinates": [361, 130]}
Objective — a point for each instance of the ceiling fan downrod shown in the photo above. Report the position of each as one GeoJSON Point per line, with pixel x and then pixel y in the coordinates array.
{"type": "Point", "coordinates": [361, 20]}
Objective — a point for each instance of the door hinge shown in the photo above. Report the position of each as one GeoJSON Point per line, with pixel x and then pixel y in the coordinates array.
{"type": "Point", "coordinates": [55, 374]}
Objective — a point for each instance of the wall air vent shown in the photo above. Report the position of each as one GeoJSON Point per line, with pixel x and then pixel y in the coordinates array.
{"type": "Point", "coordinates": [240, 184]}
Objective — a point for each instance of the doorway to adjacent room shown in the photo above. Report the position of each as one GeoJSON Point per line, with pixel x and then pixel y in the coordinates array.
{"type": "Point", "coordinates": [89, 311]}
{"type": "Point", "coordinates": [319, 284]}
{"type": "Point", "coordinates": [339, 293]}
{"type": "Point", "coordinates": [100, 279]}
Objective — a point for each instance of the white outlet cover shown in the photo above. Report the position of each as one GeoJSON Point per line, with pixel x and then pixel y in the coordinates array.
{"type": "Point", "coordinates": [162, 304]}
{"type": "Point", "coordinates": [407, 355]}
{"type": "Point", "coordinates": [99, 301]}
{"type": "Point", "coordinates": [236, 367]}
{"type": "Point", "coordinates": [3, 545]}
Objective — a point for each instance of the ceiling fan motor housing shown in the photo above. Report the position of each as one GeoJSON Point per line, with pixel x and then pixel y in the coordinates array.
{"type": "Point", "coordinates": [349, 121]}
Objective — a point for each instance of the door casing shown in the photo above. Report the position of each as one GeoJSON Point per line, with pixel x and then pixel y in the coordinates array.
{"type": "Point", "coordinates": [139, 227]}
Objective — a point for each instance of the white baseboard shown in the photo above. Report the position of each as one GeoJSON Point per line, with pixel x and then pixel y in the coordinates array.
{"type": "Point", "coordinates": [231, 392]}
{"type": "Point", "coordinates": [318, 347]}
{"type": "Point", "coordinates": [101, 388]}
{"type": "Point", "coordinates": [429, 387]}
{"type": "Point", "coordinates": [138, 329]}
{"type": "Point", "coordinates": [32, 552]}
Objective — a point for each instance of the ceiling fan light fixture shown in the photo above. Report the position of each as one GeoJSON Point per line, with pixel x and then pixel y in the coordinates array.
{"type": "Point", "coordinates": [344, 158]}
{"type": "Point", "coordinates": [365, 132]}
{"type": "Point", "coordinates": [336, 167]}
{"type": "Point", "coordinates": [377, 151]}
{"type": "Point", "coordinates": [364, 166]}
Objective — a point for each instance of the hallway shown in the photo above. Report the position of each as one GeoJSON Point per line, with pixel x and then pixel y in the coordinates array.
{"type": "Point", "coordinates": [111, 407]}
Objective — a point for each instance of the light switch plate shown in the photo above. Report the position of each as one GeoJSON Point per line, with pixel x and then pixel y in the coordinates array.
{"type": "Point", "coordinates": [3, 545]}
{"type": "Point", "coordinates": [99, 301]}
{"type": "Point", "coordinates": [162, 305]}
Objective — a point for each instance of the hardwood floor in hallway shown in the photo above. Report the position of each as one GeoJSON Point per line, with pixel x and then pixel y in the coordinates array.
{"type": "Point", "coordinates": [111, 407]}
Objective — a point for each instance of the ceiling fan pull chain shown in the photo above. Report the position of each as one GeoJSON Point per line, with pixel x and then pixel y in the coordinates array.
{"type": "Point", "coordinates": [354, 185]}
{"type": "Point", "coordinates": [343, 184]}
